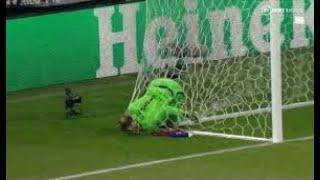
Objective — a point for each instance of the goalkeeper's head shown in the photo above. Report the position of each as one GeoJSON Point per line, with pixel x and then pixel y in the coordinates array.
{"type": "Point", "coordinates": [127, 124]}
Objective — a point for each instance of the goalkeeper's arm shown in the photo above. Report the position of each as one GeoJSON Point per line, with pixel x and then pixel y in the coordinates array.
{"type": "Point", "coordinates": [171, 128]}
{"type": "Point", "coordinates": [174, 115]}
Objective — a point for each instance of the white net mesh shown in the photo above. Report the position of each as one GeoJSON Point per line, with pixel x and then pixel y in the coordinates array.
{"type": "Point", "coordinates": [218, 50]}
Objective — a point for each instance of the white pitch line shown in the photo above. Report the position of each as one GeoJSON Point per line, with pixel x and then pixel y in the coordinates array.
{"type": "Point", "coordinates": [150, 163]}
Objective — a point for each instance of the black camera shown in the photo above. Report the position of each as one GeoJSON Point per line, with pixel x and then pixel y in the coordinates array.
{"type": "Point", "coordinates": [70, 103]}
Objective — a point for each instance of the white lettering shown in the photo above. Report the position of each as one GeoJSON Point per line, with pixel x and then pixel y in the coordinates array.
{"type": "Point", "coordinates": [258, 30]}
{"type": "Point", "coordinates": [299, 29]}
{"type": "Point", "coordinates": [108, 38]}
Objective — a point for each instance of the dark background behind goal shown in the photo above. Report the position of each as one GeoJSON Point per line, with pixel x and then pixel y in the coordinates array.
{"type": "Point", "coordinates": [18, 8]}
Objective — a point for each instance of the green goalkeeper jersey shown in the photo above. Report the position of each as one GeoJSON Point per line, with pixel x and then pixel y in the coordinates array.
{"type": "Point", "coordinates": [162, 102]}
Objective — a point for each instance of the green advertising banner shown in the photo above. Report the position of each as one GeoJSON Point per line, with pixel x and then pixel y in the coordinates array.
{"type": "Point", "coordinates": [51, 49]}
{"type": "Point", "coordinates": [109, 41]}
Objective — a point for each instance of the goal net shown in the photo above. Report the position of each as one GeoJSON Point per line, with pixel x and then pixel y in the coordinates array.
{"type": "Point", "coordinates": [219, 51]}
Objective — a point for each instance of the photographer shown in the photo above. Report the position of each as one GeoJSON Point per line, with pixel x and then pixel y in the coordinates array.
{"type": "Point", "coordinates": [70, 103]}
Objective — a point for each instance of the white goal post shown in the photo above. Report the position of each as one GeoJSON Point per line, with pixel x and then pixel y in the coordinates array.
{"type": "Point", "coordinates": [241, 62]}
{"type": "Point", "coordinates": [276, 77]}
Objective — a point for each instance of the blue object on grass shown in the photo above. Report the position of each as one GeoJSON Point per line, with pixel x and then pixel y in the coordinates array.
{"type": "Point", "coordinates": [179, 134]}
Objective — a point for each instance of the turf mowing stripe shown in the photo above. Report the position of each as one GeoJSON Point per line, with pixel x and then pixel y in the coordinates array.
{"type": "Point", "coordinates": [150, 163]}
{"type": "Point", "coordinates": [62, 93]}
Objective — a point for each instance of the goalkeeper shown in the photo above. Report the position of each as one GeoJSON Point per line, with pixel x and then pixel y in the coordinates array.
{"type": "Point", "coordinates": [158, 111]}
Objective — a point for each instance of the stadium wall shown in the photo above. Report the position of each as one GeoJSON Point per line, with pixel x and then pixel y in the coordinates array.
{"type": "Point", "coordinates": [109, 41]}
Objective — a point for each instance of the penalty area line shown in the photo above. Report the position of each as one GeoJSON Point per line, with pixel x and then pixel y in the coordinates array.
{"type": "Point", "coordinates": [191, 156]}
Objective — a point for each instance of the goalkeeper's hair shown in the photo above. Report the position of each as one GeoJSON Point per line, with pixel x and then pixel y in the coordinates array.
{"type": "Point", "coordinates": [125, 122]}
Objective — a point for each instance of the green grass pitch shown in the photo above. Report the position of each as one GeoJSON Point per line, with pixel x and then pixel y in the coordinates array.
{"type": "Point", "coordinates": [42, 144]}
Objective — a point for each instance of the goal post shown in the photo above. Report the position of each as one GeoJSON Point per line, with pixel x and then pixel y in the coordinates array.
{"type": "Point", "coordinates": [240, 63]}
{"type": "Point", "coordinates": [276, 76]}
